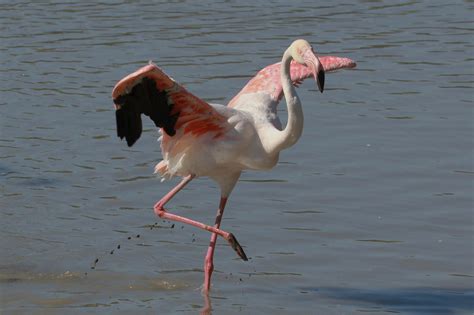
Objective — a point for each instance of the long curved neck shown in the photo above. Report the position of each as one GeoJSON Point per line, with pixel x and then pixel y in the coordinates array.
{"type": "Point", "coordinates": [294, 127]}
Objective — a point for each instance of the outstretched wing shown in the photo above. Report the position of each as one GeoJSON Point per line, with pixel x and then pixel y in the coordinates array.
{"type": "Point", "coordinates": [268, 81]}
{"type": "Point", "coordinates": [172, 108]}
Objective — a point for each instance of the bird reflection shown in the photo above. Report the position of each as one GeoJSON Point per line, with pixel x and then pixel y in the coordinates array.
{"type": "Point", "coordinates": [207, 308]}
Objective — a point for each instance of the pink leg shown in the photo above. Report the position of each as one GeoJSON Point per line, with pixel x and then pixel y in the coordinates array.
{"type": "Point", "coordinates": [162, 213]}
{"type": "Point", "coordinates": [209, 260]}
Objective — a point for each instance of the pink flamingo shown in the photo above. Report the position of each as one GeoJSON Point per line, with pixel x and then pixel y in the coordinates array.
{"type": "Point", "coordinates": [201, 139]}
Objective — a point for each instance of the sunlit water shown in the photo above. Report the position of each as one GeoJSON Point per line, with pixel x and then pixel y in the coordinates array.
{"type": "Point", "coordinates": [371, 212]}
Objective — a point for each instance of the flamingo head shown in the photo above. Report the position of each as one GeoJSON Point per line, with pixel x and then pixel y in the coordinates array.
{"type": "Point", "coordinates": [303, 53]}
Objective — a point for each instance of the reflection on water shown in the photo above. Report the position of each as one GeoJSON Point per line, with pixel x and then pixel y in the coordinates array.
{"type": "Point", "coordinates": [207, 308]}
{"type": "Point", "coordinates": [376, 194]}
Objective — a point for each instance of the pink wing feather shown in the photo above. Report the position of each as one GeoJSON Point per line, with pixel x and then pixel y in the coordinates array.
{"type": "Point", "coordinates": [268, 79]}
{"type": "Point", "coordinates": [182, 116]}
{"type": "Point", "coordinates": [194, 115]}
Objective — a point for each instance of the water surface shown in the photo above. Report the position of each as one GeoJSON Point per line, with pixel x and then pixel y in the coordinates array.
{"type": "Point", "coordinates": [371, 212]}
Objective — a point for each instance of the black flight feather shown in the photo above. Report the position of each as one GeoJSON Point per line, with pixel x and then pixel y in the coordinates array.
{"type": "Point", "coordinates": [144, 98]}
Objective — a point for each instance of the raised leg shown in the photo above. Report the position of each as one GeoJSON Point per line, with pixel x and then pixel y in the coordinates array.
{"type": "Point", "coordinates": [162, 213]}
{"type": "Point", "coordinates": [174, 191]}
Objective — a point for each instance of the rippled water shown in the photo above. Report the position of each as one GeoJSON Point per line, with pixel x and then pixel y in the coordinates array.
{"type": "Point", "coordinates": [371, 212]}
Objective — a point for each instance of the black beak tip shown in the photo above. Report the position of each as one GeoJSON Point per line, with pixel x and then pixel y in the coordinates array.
{"type": "Point", "coordinates": [320, 80]}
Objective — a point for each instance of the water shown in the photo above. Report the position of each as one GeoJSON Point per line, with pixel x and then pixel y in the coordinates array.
{"type": "Point", "coordinates": [371, 212]}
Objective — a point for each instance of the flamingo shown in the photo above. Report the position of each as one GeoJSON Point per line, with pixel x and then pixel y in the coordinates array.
{"type": "Point", "coordinates": [217, 141]}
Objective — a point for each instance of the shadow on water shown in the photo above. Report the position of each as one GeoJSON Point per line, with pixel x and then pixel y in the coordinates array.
{"type": "Point", "coordinates": [412, 300]}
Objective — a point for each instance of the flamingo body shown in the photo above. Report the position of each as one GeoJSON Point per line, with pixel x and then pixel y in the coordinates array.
{"type": "Point", "coordinates": [201, 139]}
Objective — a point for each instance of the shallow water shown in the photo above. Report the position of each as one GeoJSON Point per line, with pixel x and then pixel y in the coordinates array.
{"type": "Point", "coordinates": [371, 212]}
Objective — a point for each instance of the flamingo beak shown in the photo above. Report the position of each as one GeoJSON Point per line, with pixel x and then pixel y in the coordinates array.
{"type": "Point", "coordinates": [312, 61]}
{"type": "Point", "coordinates": [319, 77]}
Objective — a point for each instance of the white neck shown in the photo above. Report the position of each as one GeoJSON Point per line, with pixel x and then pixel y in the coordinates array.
{"type": "Point", "coordinates": [294, 127]}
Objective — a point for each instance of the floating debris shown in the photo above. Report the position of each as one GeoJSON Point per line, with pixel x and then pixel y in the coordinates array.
{"type": "Point", "coordinates": [95, 263]}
